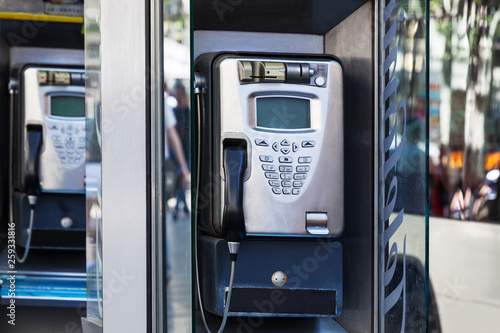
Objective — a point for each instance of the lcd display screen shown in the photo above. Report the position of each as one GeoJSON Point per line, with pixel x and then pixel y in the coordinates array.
{"type": "Point", "coordinates": [283, 112]}
{"type": "Point", "coordinates": [67, 106]}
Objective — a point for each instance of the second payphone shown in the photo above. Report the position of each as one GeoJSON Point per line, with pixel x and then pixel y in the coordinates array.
{"type": "Point", "coordinates": [271, 178]}
{"type": "Point", "coordinates": [48, 157]}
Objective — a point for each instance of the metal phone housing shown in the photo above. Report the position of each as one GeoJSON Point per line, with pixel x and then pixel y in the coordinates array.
{"type": "Point", "coordinates": [62, 156]}
{"type": "Point", "coordinates": [50, 99]}
{"type": "Point", "coordinates": [294, 182]}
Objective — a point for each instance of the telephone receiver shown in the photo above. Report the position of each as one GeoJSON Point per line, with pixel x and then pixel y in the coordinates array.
{"type": "Point", "coordinates": [32, 177]}
{"type": "Point", "coordinates": [235, 165]}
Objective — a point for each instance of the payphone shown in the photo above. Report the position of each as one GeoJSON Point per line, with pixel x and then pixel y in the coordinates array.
{"type": "Point", "coordinates": [271, 172]}
{"type": "Point", "coordinates": [48, 157]}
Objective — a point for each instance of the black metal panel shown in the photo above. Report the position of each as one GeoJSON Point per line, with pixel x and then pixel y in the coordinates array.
{"type": "Point", "coordinates": [42, 34]}
{"type": "Point", "coordinates": [284, 16]}
{"type": "Point", "coordinates": [291, 301]}
{"type": "Point", "coordinates": [47, 229]}
{"type": "Point", "coordinates": [4, 135]}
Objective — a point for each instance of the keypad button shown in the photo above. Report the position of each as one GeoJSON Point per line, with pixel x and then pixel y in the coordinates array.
{"type": "Point", "coordinates": [287, 191]}
{"type": "Point", "coordinates": [296, 191]}
{"type": "Point", "coordinates": [261, 142]}
{"type": "Point", "coordinates": [286, 183]}
{"type": "Point", "coordinates": [286, 176]}
{"type": "Point", "coordinates": [308, 144]}
{"type": "Point", "coordinates": [70, 146]}
{"type": "Point", "coordinates": [81, 139]}
{"type": "Point", "coordinates": [305, 159]}
{"type": "Point", "coordinates": [272, 175]}
{"type": "Point", "coordinates": [300, 176]}
{"type": "Point", "coordinates": [56, 138]}
{"type": "Point", "coordinates": [295, 147]}
{"type": "Point", "coordinates": [268, 167]}
{"type": "Point", "coordinates": [70, 139]}
{"type": "Point", "coordinates": [274, 182]}
{"type": "Point", "coordinates": [285, 159]}
{"type": "Point", "coordinates": [77, 160]}
{"type": "Point", "coordinates": [276, 147]}
{"type": "Point", "coordinates": [285, 150]}
{"type": "Point", "coordinates": [58, 145]}
{"type": "Point", "coordinates": [53, 127]}
{"type": "Point", "coordinates": [286, 168]}
{"type": "Point", "coordinates": [266, 158]}
{"type": "Point", "coordinates": [276, 190]}
{"type": "Point", "coordinates": [298, 184]}
{"type": "Point", "coordinates": [285, 142]}
{"type": "Point", "coordinates": [303, 168]}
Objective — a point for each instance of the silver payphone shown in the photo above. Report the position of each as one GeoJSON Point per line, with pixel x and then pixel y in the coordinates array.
{"type": "Point", "coordinates": [48, 156]}
{"type": "Point", "coordinates": [271, 171]}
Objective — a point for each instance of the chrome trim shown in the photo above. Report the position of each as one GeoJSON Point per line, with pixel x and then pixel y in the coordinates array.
{"type": "Point", "coordinates": [234, 247]}
{"type": "Point", "coordinates": [158, 285]}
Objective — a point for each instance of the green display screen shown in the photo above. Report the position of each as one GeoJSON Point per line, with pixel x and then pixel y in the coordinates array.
{"type": "Point", "coordinates": [283, 112]}
{"type": "Point", "coordinates": [67, 106]}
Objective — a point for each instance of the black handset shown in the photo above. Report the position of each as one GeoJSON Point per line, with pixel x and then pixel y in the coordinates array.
{"type": "Point", "coordinates": [233, 220]}
{"type": "Point", "coordinates": [31, 177]}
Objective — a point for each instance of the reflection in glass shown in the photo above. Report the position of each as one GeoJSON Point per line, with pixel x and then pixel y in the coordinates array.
{"type": "Point", "coordinates": [464, 107]}
{"type": "Point", "coordinates": [402, 142]}
{"type": "Point", "coordinates": [465, 163]}
{"type": "Point", "coordinates": [93, 165]}
{"type": "Point", "coordinates": [176, 166]}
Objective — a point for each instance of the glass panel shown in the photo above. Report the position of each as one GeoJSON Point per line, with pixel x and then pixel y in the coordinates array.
{"type": "Point", "coordinates": [175, 133]}
{"type": "Point", "coordinates": [93, 169]}
{"type": "Point", "coordinates": [403, 166]}
{"type": "Point", "coordinates": [465, 162]}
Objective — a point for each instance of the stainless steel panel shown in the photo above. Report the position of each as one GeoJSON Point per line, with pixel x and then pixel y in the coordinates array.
{"type": "Point", "coordinates": [124, 196]}
{"type": "Point", "coordinates": [46, 56]}
{"type": "Point", "coordinates": [216, 41]}
{"type": "Point", "coordinates": [280, 214]}
{"type": "Point", "coordinates": [353, 42]}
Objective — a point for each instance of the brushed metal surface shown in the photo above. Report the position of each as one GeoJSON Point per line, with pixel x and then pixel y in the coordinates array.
{"type": "Point", "coordinates": [354, 40]}
{"type": "Point", "coordinates": [216, 41]}
{"type": "Point", "coordinates": [46, 56]}
{"type": "Point", "coordinates": [267, 213]}
{"type": "Point", "coordinates": [124, 196]}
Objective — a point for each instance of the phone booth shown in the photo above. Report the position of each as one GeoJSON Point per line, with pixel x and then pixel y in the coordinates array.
{"type": "Point", "coordinates": [303, 166]}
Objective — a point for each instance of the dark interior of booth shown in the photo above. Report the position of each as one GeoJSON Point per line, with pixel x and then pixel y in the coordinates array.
{"type": "Point", "coordinates": [47, 270]}
{"type": "Point", "coordinates": [347, 29]}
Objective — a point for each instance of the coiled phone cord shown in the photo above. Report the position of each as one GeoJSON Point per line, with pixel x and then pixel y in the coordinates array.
{"type": "Point", "coordinates": [198, 94]}
{"type": "Point", "coordinates": [32, 201]}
